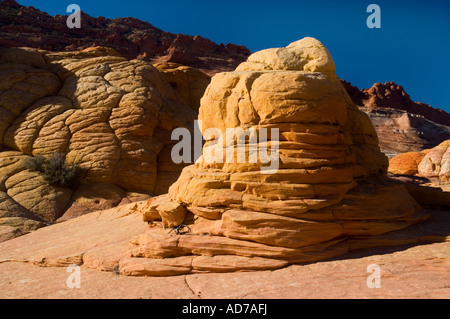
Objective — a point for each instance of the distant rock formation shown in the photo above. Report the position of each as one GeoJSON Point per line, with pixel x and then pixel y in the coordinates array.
{"type": "Point", "coordinates": [400, 131]}
{"type": "Point", "coordinates": [401, 124]}
{"type": "Point", "coordinates": [329, 195]}
{"type": "Point", "coordinates": [22, 26]}
{"type": "Point", "coordinates": [110, 116]}
{"type": "Point", "coordinates": [391, 95]}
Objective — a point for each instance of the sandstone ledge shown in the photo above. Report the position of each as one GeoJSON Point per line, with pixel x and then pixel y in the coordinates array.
{"type": "Point", "coordinates": [100, 241]}
{"type": "Point", "coordinates": [415, 271]}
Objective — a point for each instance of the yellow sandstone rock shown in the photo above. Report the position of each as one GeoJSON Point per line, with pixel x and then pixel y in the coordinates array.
{"type": "Point", "coordinates": [111, 116]}
{"type": "Point", "coordinates": [330, 185]}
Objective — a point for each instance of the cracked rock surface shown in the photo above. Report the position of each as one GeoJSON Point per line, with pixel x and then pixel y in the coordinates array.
{"type": "Point", "coordinates": [328, 195]}
{"type": "Point", "coordinates": [110, 116]}
{"type": "Point", "coordinates": [34, 265]}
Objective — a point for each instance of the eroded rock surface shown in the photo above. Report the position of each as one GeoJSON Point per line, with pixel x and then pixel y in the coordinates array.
{"type": "Point", "coordinates": [110, 116]}
{"type": "Point", "coordinates": [402, 125]}
{"type": "Point", "coordinates": [328, 195]}
{"type": "Point", "coordinates": [34, 265]}
{"type": "Point", "coordinates": [132, 38]}
{"type": "Point", "coordinates": [430, 163]}
{"type": "Point", "coordinates": [400, 131]}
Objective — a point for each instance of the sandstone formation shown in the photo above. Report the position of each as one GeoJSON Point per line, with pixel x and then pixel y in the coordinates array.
{"type": "Point", "coordinates": [430, 163]}
{"type": "Point", "coordinates": [436, 163]}
{"type": "Point", "coordinates": [407, 163]}
{"type": "Point", "coordinates": [401, 124]}
{"type": "Point", "coordinates": [34, 265]}
{"type": "Point", "coordinates": [110, 116]}
{"type": "Point", "coordinates": [189, 84]}
{"type": "Point", "coordinates": [426, 174]}
{"type": "Point", "coordinates": [392, 95]}
{"type": "Point", "coordinates": [132, 38]}
{"type": "Point", "coordinates": [401, 132]}
{"type": "Point", "coordinates": [329, 194]}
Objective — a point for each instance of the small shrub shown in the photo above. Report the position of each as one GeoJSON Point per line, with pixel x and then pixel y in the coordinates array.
{"type": "Point", "coordinates": [54, 169]}
{"type": "Point", "coordinates": [35, 163]}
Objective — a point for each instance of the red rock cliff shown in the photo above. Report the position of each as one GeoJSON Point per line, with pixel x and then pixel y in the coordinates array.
{"type": "Point", "coordinates": [26, 26]}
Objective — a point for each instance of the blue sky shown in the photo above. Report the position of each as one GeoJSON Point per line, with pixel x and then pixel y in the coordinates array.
{"type": "Point", "coordinates": [411, 48]}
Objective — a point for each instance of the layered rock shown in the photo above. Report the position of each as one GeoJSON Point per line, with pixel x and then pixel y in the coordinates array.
{"type": "Point", "coordinates": [110, 116]}
{"type": "Point", "coordinates": [132, 38]}
{"type": "Point", "coordinates": [98, 243]}
{"type": "Point", "coordinates": [392, 95]}
{"type": "Point", "coordinates": [401, 124]}
{"type": "Point", "coordinates": [329, 187]}
{"type": "Point", "coordinates": [400, 131]}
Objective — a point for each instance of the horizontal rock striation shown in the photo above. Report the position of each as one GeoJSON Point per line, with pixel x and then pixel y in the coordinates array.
{"type": "Point", "coordinates": [401, 124]}
{"type": "Point", "coordinates": [329, 187]}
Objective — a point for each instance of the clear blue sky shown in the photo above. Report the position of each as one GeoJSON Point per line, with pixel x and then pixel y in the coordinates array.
{"type": "Point", "coordinates": [411, 48]}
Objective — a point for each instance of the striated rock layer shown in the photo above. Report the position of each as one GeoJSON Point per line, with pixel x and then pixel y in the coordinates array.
{"type": "Point", "coordinates": [400, 131]}
{"type": "Point", "coordinates": [110, 116]}
{"type": "Point", "coordinates": [401, 124]}
{"type": "Point", "coordinates": [98, 242]}
{"type": "Point", "coordinates": [392, 95]}
{"type": "Point", "coordinates": [329, 188]}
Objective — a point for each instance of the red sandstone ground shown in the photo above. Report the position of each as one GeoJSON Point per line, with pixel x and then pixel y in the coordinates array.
{"type": "Point", "coordinates": [414, 271]}
{"type": "Point", "coordinates": [417, 272]}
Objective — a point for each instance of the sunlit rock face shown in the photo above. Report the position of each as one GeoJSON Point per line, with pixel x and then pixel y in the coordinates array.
{"type": "Point", "coordinates": [327, 194]}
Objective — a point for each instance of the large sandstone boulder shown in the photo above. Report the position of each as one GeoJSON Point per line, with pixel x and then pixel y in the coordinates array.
{"type": "Point", "coordinates": [430, 163]}
{"type": "Point", "coordinates": [407, 163]}
{"type": "Point", "coordinates": [327, 195]}
{"type": "Point", "coordinates": [110, 116]}
{"type": "Point", "coordinates": [426, 174]}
